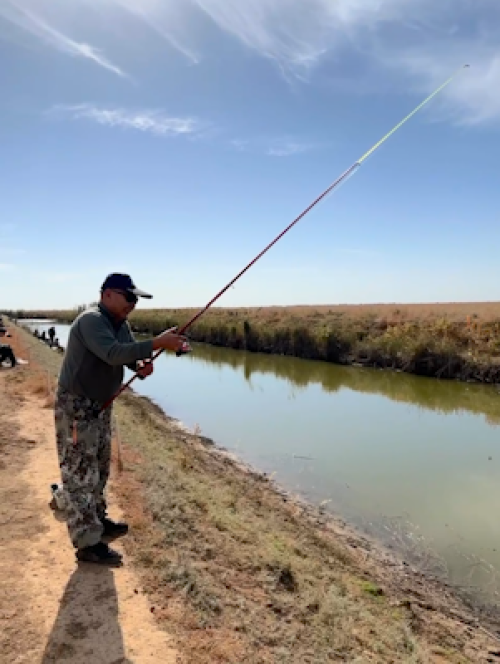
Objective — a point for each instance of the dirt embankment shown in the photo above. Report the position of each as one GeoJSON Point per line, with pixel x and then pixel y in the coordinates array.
{"type": "Point", "coordinates": [51, 609]}
{"type": "Point", "coordinates": [235, 569]}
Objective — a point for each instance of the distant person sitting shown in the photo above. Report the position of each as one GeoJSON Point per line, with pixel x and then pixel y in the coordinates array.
{"type": "Point", "coordinates": [43, 336]}
{"type": "Point", "coordinates": [55, 345]}
{"type": "Point", "coordinates": [6, 353]}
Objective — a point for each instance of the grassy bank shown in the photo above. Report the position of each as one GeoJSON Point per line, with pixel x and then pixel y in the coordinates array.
{"type": "Point", "coordinates": [242, 572]}
{"type": "Point", "coordinates": [451, 341]}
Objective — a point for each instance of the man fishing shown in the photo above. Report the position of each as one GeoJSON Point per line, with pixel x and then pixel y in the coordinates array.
{"type": "Point", "coordinates": [100, 344]}
{"type": "Point", "coordinates": [52, 333]}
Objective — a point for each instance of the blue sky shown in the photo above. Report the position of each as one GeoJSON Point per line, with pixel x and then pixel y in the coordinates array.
{"type": "Point", "coordinates": [173, 139]}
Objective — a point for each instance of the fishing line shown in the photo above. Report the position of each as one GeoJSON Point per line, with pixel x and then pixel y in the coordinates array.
{"type": "Point", "coordinates": [340, 180]}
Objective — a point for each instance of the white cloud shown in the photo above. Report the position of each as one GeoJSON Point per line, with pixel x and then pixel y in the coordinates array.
{"type": "Point", "coordinates": [19, 13]}
{"type": "Point", "coordinates": [277, 147]}
{"type": "Point", "coordinates": [471, 99]}
{"type": "Point", "coordinates": [287, 148]}
{"type": "Point", "coordinates": [410, 45]}
{"type": "Point", "coordinates": [417, 43]}
{"type": "Point", "coordinates": [298, 34]}
{"type": "Point", "coordinates": [357, 45]}
{"type": "Point", "coordinates": [240, 144]}
{"type": "Point", "coordinates": [165, 17]}
{"type": "Point", "coordinates": [153, 121]}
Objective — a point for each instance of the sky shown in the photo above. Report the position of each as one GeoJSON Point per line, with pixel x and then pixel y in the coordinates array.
{"type": "Point", "coordinates": [174, 139]}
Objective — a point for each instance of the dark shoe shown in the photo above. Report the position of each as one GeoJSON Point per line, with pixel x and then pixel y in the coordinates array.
{"type": "Point", "coordinates": [100, 554]}
{"type": "Point", "coordinates": [112, 530]}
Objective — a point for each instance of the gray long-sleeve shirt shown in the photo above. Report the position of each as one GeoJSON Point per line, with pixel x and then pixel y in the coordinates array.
{"type": "Point", "coordinates": [98, 348]}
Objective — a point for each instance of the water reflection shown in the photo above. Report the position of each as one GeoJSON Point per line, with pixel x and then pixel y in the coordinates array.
{"type": "Point", "coordinates": [428, 393]}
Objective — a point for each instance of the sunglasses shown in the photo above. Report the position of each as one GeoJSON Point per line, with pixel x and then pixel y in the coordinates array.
{"type": "Point", "coordinates": [130, 297]}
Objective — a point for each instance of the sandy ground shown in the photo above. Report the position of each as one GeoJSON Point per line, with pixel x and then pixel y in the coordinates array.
{"type": "Point", "coordinates": [51, 609]}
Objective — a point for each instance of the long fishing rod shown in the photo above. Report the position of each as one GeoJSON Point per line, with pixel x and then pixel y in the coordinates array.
{"type": "Point", "coordinates": [346, 174]}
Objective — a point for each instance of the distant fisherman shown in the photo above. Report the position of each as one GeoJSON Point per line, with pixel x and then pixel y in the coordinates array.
{"type": "Point", "coordinates": [100, 344]}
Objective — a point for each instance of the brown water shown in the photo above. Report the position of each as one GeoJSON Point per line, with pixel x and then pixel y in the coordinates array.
{"type": "Point", "coordinates": [414, 461]}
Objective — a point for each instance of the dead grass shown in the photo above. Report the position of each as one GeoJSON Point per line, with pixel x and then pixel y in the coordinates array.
{"type": "Point", "coordinates": [244, 573]}
{"type": "Point", "coordinates": [454, 311]}
{"type": "Point", "coordinates": [254, 585]}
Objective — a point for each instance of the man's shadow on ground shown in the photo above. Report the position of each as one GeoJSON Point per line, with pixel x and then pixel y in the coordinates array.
{"type": "Point", "coordinates": [87, 628]}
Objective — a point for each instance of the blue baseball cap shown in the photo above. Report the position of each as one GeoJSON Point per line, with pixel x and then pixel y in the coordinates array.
{"type": "Point", "coordinates": [123, 282]}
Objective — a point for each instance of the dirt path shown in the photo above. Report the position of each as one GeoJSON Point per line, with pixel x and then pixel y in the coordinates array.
{"type": "Point", "coordinates": [51, 609]}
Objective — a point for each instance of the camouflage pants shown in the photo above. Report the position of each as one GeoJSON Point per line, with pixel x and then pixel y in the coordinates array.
{"type": "Point", "coordinates": [84, 450]}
